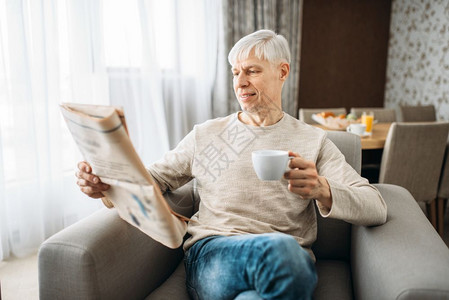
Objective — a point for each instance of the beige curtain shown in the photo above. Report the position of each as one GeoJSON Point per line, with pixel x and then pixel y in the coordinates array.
{"type": "Point", "coordinates": [242, 17]}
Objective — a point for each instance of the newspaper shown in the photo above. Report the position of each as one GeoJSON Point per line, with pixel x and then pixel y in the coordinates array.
{"type": "Point", "coordinates": [102, 137]}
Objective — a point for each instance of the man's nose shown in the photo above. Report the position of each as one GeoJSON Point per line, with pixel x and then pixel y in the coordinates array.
{"type": "Point", "coordinates": [242, 80]}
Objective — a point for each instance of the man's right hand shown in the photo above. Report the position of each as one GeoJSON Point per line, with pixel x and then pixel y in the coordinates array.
{"type": "Point", "coordinates": [89, 183]}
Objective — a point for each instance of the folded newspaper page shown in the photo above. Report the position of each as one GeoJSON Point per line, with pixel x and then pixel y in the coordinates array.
{"type": "Point", "coordinates": [101, 135]}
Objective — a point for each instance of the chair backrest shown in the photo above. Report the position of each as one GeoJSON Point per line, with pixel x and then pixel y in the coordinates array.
{"type": "Point", "coordinates": [349, 144]}
{"type": "Point", "coordinates": [305, 114]}
{"type": "Point", "coordinates": [443, 187]}
{"type": "Point", "coordinates": [380, 114]}
{"type": "Point", "coordinates": [413, 156]}
{"type": "Point", "coordinates": [425, 113]}
{"type": "Point", "coordinates": [334, 236]}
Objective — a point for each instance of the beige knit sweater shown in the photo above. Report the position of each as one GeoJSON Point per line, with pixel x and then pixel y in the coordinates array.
{"type": "Point", "coordinates": [234, 201]}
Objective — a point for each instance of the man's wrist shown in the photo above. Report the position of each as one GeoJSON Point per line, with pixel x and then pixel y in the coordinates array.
{"type": "Point", "coordinates": [326, 196]}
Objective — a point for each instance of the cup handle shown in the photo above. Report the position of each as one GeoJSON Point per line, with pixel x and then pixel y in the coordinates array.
{"type": "Point", "coordinates": [348, 129]}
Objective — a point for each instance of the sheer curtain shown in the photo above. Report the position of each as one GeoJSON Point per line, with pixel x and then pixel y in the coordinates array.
{"type": "Point", "coordinates": [155, 58]}
{"type": "Point", "coordinates": [178, 40]}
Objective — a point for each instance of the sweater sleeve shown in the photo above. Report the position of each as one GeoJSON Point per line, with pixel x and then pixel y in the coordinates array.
{"type": "Point", "coordinates": [175, 168]}
{"type": "Point", "coordinates": [354, 200]}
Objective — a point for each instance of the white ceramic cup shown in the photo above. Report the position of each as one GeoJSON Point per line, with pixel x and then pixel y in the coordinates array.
{"type": "Point", "coordinates": [270, 164]}
{"type": "Point", "coordinates": [356, 128]}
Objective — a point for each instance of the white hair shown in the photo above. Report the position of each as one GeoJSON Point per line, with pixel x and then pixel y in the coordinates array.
{"type": "Point", "coordinates": [267, 45]}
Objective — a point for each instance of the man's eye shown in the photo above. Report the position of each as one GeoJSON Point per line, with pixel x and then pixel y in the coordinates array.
{"type": "Point", "coordinates": [252, 71]}
{"type": "Point", "coordinates": [235, 74]}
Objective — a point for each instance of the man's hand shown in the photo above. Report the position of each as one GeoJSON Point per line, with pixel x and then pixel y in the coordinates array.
{"type": "Point", "coordinates": [304, 180]}
{"type": "Point", "coordinates": [90, 184]}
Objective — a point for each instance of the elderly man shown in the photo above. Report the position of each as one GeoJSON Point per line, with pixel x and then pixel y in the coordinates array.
{"type": "Point", "coordinates": [251, 239]}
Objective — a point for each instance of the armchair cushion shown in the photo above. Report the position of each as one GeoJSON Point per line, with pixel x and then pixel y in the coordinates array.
{"type": "Point", "coordinates": [334, 280]}
{"type": "Point", "coordinates": [173, 288]}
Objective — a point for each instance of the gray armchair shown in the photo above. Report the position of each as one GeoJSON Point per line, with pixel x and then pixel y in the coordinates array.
{"type": "Point", "coordinates": [103, 257]}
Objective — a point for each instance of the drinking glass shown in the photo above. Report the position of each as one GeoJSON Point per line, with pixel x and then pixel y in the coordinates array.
{"type": "Point", "coordinates": [367, 119]}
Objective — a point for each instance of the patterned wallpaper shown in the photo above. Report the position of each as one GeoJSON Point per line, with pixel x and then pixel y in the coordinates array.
{"type": "Point", "coordinates": [418, 55]}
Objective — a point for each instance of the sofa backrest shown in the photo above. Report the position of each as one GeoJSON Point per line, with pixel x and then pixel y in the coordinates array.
{"type": "Point", "coordinates": [334, 236]}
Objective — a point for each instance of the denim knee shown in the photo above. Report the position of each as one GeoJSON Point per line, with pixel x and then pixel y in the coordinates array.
{"type": "Point", "coordinates": [283, 253]}
{"type": "Point", "coordinates": [283, 246]}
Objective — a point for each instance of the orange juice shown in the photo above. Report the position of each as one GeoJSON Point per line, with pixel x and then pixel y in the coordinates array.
{"type": "Point", "coordinates": [368, 119]}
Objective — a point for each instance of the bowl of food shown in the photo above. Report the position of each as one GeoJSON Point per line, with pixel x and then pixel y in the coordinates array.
{"type": "Point", "coordinates": [334, 122]}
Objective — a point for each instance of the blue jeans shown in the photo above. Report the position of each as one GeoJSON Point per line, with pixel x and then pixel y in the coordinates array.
{"type": "Point", "coordinates": [253, 266]}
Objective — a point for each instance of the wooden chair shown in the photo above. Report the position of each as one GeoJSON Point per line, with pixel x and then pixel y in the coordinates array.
{"type": "Point", "coordinates": [412, 158]}
{"type": "Point", "coordinates": [387, 115]}
{"type": "Point", "coordinates": [443, 192]}
{"type": "Point", "coordinates": [305, 114]}
{"type": "Point", "coordinates": [425, 113]}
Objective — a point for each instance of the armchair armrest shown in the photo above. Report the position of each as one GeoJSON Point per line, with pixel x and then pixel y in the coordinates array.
{"type": "Point", "coordinates": [103, 257]}
{"type": "Point", "coordinates": [403, 259]}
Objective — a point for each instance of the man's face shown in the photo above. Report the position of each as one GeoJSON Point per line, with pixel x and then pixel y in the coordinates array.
{"type": "Point", "coordinates": [258, 84]}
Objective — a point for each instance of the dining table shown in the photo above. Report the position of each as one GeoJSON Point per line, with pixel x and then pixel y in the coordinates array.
{"type": "Point", "coordinates": [376, 140]}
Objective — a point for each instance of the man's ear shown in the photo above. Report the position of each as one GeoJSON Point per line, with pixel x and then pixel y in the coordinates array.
{"type": "Point", "coordinates": [284, 71]}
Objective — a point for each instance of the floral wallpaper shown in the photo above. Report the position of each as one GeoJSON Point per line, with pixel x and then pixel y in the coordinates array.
{"type": "Point", "coordinates": [418, 55]}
